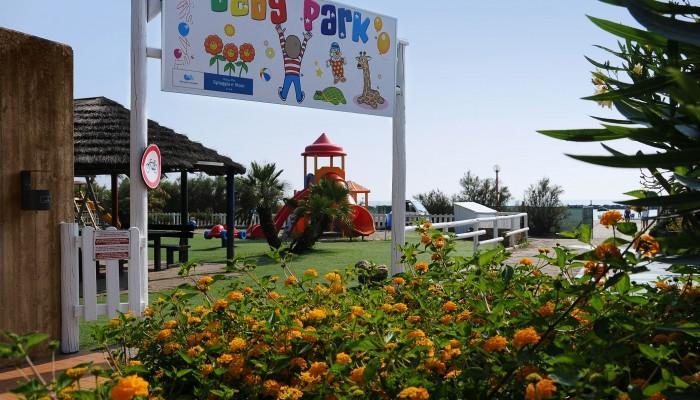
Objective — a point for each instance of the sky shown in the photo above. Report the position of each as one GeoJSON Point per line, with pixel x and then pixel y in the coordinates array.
{"type": "Point", "coordinates": [482, 78]}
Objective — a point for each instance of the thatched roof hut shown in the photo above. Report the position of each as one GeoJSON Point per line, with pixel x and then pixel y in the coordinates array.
{"type": "Point", "coordinates": [101, 132]}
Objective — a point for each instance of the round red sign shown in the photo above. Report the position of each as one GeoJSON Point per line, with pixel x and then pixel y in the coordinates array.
{"type": "Point", "coordinates": [151, 166]}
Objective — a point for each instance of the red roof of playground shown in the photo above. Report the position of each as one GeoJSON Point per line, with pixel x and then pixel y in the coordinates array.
{"type": "Point", "coordinates": [323, 147]}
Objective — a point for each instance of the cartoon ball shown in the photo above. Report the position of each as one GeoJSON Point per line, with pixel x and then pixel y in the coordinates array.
{"type": "Point", "coordinates": [229, 30]}
{"type": "Point", "coordinates": [270, 52]}
{"type": "Point", "coordinates": [378, 24]}
{"type": "Point", "coordinates": [183, 28]}
{"type": "Point", "coordinates": [265, 75]}
{"type": "Point", "coordinates": [383, 43]}
{"type": "Point", "coordinates": [177, 53]}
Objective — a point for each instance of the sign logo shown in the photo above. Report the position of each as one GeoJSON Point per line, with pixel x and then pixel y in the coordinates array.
{"type": "Point", "coordinates": [306, 53]}
{"type": "Point", "coordinates": [151, 166]}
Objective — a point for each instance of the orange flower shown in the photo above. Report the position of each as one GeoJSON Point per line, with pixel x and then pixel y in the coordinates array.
{"type": "Point", "coordinates": [496, 343]}
{"type": "Point", "coordinates": [129, 387]}
{"type": "Point", "coordinates": [595, 269]}
{"type": "Point", "coordinates": [271, 387]}
{"type": "Point", "coordinates": [413, 319]}
{"type": "Point", "coordinates": [610, 218]}
{"type": "Point", "coordinates": [171, 324]}
{"type": "Point", "coordinates": [247, 52]}
{"type": "Point", "coordinates": [547, 310]}
{"type": "Point", "coordinates": [543, 390]}
{"type": "Point", "coordinates": [422, 267]}
{"type": "Point", "coordinates": [414, 393]}
{"type": "Point", "coordinates": [658, 396]}
{"type": "Point", "coordinates": [357, 311]}
{"type": "Point", "coordinates": [311, 272]}
{"type": "Point", "coordinates": [605, 251]}
{"type": "Point", "coordinates": [425, 239]}
{"type": "Point", "coordinates": [206, 369]}
{"type": "Point", "coordinates": [220, 305]}
{"type": "Point", "coordinates": [213, 44]}
{"type": "Point", "coordinates": [333, 277]}
{"type": "Point", "coordinates": [357, 375]}
{"type": "Point", "coordinates": [416, 334]}
{"type": "Point", "coordinates": [231, 52]}
{"type": "Point", "coordinates": [291, 280]}
{"type": "Point", "coordinates": [289, 393]}
{"type": "Point", "coordinates": [237, 344]}
{"type": "Point", "coordinates": [164, 334]}
{"type": "Point", "coordinates": [464, 316]}
{"type": "Point", "coordinates": [399, 281]}
{"type": "Point", "coordinates": [400, 308]}
{"type": "Point", "coordinates": [204, 282]}
{"type": "Point", "coordinates": [526, 262]}
{"type": "Point", "coordinates": [450, 306]}
{"type": "Point", "coordinates": [390, 290]}
{"type": "Point", "coordinates": [524, 337]}
{"type": "Point", "coordinates": [235, 296]}
{"type": "Point", "coordinates": [343, 358]}
{"type": "Point", "coordinates": [318, 369]}
{"type": "Point", "coordinates": [299, 363]}
{"type": "Point", "coordinates": [647, 245]}
{"type": "Point", "coordinates": [439, 243]}
{"type": "Point", "coordinates": [273, 295]}
{"type": "Point", "coordinates": [316, 314]}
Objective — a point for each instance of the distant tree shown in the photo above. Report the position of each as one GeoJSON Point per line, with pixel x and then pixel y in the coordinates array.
{"type": "Point", "coordinates": [482, 191]}
{"type": "Point", "coordinates": [436, 202]}
{"type": "Point", "coordinates": [262, 190]}
{"type": "Point", "coordinates": [327, 207]}
{"type": "Point", "coordinates": [543, 205]}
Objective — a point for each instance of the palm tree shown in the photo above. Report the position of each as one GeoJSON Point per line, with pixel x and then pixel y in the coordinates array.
{"type": "Point", "coordinates": [261, 190]}
{"type": "Point", "coordinates": [326, 207]}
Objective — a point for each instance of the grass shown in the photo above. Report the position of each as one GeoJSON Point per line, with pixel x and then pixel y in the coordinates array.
{"type": "Point", "coordinates": [326, 256]}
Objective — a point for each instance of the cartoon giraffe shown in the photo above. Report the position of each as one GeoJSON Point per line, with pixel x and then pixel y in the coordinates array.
{"type": "Point", "coordinates": [369, 96]}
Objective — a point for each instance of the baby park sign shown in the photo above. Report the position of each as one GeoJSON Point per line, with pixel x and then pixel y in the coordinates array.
{"type": "Point", "coordinates": [309, 53]}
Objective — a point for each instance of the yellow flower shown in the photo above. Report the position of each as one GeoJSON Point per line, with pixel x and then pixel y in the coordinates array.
{"type": "Point", "coordinates": [135, 363]}
{"type": "Point", "coordinates": [343, 358]}
{"type": "Point", "coordinates": [337, 288]}
{"type": "Point", "coordinates": [237, 344]}
{"type": "Point", "coordinates": [526, 262]}
{"type": "Point", "coordinates": [311, 272]}
{"type": "Point", "coordinates": [414, 393]}
{"type": "Point", "coordinates": [308, 379]}
{"type": "Point", "coordinates": [543, 250]}
{"type": "Point", "coordinates": [453, 374]}
{"type": "Point", "coordinates": [543, 390]}
{"type": "Point", "coordinates": [195, 351]}
{"type": "Point", "coordinates": [387, 308]}
{"type": "Point", "coordinates": [273, 295]}
{"type": "Point", "coordinates": [357, 375]}
{"type": "Point", "coordinates": [638, 69]}
{"type": "Point", "coordinates": [129, 387]}
{"type": "Point", "coordinates": [235, 296]}
{"type": "Point", "coordinates": [427, 225]}
{"type": "Point", "coordinates": [449, 307]}
{"type": "Point", "coordinates": [220, 305]}
{"type": "Point", "coordinates": [602, 89]}
{"type": "Point", "coordinates": [418, 333]}
{"type": "Point", "coordinates": [171, 324]}
{"type": "Point", "coordinates": [525, 336]}
{"type": "Point", "coordinates": [647, 245]}
{"type": "Point", "coordinates": [289, 393]}
{"type": "Point", "coordinates": [291, 280]}
{"type": "Point", "coordinates": [333, 277]}
{"type": "Point", "coordinates": [400, 307]}
{"type": "Point", "coordinates": [115, 322]}
{"type": "Point", "coordinates": [76, 373]}
{"type": "Point", "coordinates": [206, 369]}
{"type": "Point", "coordinates": [248, 290]}
{"type": "Point", "coordinates": [610, 218]}
{"type": "Point", "coordinates": [422, 267]}
{"type": "Point", "coordinates": [224, 359]}
{"type": "Point", "coordinates": [165, 334]}
{"type": "Point", "coordinates": [357, 311]}
{"type": "Point", "coordinates": [496, 343]}
{"type": "Point", "coordinates": [413, 319]}
{"type": "Point", "coordinates": [204, 282]}
{"type": "Point", "coordinates": [390, 290]}
{"type": "Point", "coordinates": [464, 316]}
{"type": "Point", "coordinates": [316, 314]}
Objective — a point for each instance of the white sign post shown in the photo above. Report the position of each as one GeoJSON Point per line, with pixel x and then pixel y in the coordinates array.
{"type": "Point", "coordinates": [307, 53]}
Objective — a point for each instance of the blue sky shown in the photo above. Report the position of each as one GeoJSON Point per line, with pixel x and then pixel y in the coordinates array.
{"type": "Point", "coordinates": [482, 77]}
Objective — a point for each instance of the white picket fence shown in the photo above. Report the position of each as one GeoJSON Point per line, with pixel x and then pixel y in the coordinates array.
{"type": "Point", "coordinates": [514, 223]}
{"type": "Point", "coordinates": [73, 243]}
{"type": "Point", "coordinates": [380, 219]}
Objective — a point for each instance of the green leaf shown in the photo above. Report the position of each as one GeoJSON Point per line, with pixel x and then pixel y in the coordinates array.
{"type": "Point", "coordinates": [645, 87]}
{"type": "Point", "coordinates": [692, 183]}
{"type": "Point", "coordinates": [183, 372]}
{"type": "Point", "coordinates": [683, 201]}
{"type": "Point", "coordinates": [488, 256]}
{"type": "Point", "coordinates": [623, 285]}
{"type": "Point", "coordinates": [585, 234]}
{"type": "Point", "coordinates": [627, 228]}
{"type": "Point", "coordinates": [583, 135]}
{"type": "Point", "coordinates": [605, 66]}
{"type": "Point", "coordinates": [649, 352]}
{"type": "Point", "coordinates": [34, 339]}
{"type": "Point", "coordinates": [674, 29]}
{"type": "Point", "coordinates": [633, 34]}
{"type": "Point", "coordinates": [667, 160]}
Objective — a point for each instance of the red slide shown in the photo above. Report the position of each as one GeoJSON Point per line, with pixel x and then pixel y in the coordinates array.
{"type": "Point", "coordinates": [363, 223]}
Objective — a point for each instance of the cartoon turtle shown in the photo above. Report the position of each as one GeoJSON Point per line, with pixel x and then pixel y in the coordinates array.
{"type": "Point", "coordinates": [331, 95]}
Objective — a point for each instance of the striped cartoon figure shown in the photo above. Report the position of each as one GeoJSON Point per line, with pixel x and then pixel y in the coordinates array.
{"type": "Point", "coordinates": [337, 63]}
{"type": "Point", "coordinates": [292, 53]}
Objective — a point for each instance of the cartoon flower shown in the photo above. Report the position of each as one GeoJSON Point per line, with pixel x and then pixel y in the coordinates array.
{"type": "Point", "coordinates": [213, 44]}
{"type": "Point", "coordinates": [130, 387]}
{"type": "Point", "coordinates": [247, 52]}
{"type": "Point", "coordinates": [231, 52]}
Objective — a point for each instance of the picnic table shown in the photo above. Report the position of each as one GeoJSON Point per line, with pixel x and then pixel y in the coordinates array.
{"type": "Point", "coordinates": [157, 232]}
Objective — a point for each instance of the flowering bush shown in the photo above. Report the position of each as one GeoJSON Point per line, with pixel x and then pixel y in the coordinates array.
{"type": "Point", "coordinates": [448, 327]}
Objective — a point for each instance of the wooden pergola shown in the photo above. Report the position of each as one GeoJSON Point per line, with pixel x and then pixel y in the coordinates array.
{"type": "Point", "coordinates": [101, 137]}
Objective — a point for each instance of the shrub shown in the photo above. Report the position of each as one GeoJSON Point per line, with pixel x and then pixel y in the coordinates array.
{"type": "Point", "coordinates": [482, 191]}
{"type": "Point", "coordinates": [435, 202]}
{"type": "Point", "coordinates": [544, 208]}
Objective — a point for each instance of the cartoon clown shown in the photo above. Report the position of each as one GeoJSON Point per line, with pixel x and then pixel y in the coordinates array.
{"type": "Point", "coordinates": [337, 63]}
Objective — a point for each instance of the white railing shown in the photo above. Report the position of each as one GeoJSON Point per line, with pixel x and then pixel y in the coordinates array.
{"type": "Point", "coordinates": [517, 224]}
{"type": "Point", "coordinates": [380, 219]}
{"type": "Point", "coordinates": [72, 311]}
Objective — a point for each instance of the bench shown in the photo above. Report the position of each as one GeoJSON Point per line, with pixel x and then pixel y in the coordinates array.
{"type": "Point", "coordinates": [170, 250]}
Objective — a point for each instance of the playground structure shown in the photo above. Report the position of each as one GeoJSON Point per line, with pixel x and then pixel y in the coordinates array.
{"type": "Point", "coordinates": [87, 207]}
{"type": "Point", "coordinates": [322, 148]}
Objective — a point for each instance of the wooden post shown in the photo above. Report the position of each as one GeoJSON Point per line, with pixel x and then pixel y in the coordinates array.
{"type": "Point", "coordinates": [230, 215]}
{"type": "Point", "coordinates": [398, 181]}
{"type": "Point", "coordinates": [184, 216]}
{"type": "Point", "coordinates": [70, 289]}
{"type": "Point", "coordinates": [139, 135]}
{"type": "Point", "coordinates": [115, 200]}
{"type": "Point", "coordinates": [315, 165]}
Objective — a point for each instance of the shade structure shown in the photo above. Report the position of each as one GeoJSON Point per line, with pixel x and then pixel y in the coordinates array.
{"type": "Point", "coordinates": [323, 147]}
{"type": "Point", "coordinates": [101, 136]}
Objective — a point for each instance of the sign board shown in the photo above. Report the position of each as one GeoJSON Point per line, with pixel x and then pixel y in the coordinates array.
{"type": "Point", "coordinates": [308, 53]}
{"type": "Point", "coordinates": [151, 166]}
{"type": "Point", "coordinates": [111, 245]}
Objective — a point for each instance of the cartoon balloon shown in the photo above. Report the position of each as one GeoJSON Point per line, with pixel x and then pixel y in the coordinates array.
{"type": "Point", "coordinates": [183, 28]}
{"type": "Point", "coordinates": [177, 53]}
{"type": "Point", "coordinates": [383, 43]}
{"type": "Point", "coordinates": [378, 24]}
{"type": "Point", "coordinates": [270, 52]}
{"type": "Point", "coordinates": [229, 30]}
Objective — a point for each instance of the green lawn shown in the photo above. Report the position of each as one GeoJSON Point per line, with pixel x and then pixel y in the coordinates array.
{"type": "Point", "coordinates": [327, 256]}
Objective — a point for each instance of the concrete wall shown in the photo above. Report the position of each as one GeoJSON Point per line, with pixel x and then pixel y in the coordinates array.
{"type": "Point", "coordinates": [36, 134]}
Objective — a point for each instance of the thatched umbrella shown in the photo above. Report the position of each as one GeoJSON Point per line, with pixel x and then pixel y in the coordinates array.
{"type": "Point", "coordinates": [101, 147]}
